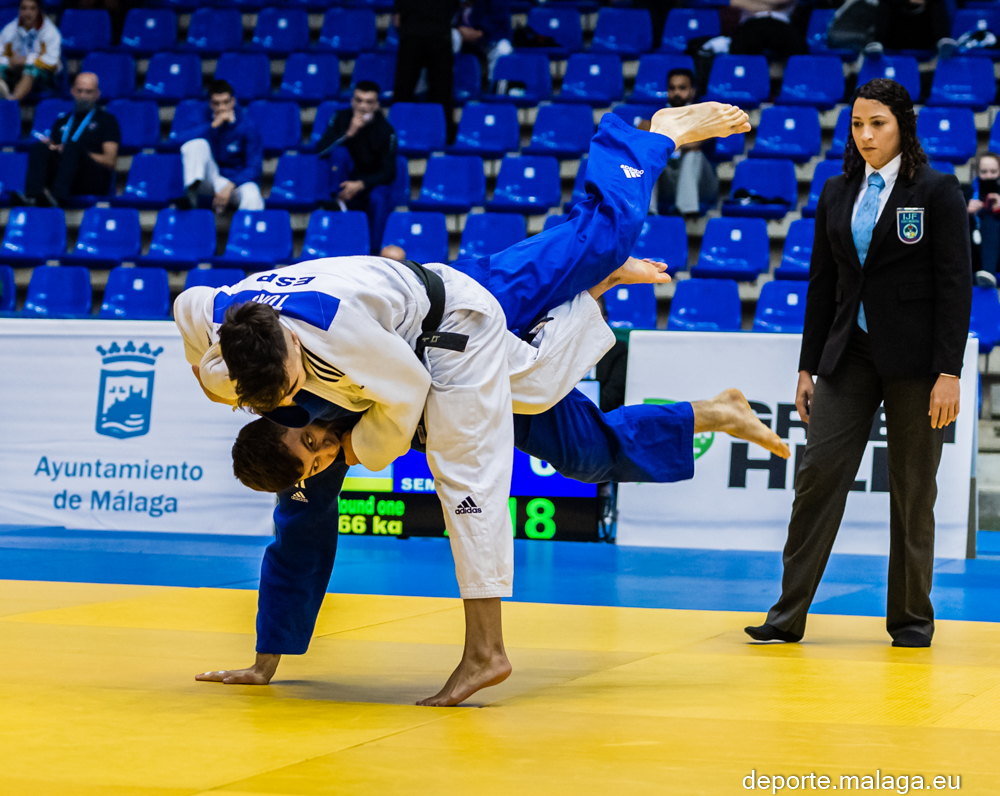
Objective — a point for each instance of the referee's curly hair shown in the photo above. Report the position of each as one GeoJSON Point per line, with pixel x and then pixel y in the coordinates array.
{"type": "Point", "coordinates": [897, 100]}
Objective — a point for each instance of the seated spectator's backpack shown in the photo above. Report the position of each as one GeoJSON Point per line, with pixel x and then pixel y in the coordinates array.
{"type": "Point", "coordinates": [853, 26]}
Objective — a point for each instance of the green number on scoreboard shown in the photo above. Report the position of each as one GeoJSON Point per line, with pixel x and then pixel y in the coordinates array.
{"type": "Point", "coordinates": [540, 524]}
{"type": "Point", "coordinates": [512, 505]}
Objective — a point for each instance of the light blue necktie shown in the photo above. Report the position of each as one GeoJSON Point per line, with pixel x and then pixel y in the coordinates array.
{"type": "Point", "coordinates": [864, 224]}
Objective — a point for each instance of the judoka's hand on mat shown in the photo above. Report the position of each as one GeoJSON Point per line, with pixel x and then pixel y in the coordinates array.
{"type": "Point", "coordinates": [633, 272]}
{"type": "Point", "coordinates": [690, 123]}
{"type": "Point", "coordinates": [259, 674]}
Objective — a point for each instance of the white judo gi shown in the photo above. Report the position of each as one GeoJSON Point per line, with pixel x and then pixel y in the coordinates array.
{"type": "Point", "coordinates": [358, 320]}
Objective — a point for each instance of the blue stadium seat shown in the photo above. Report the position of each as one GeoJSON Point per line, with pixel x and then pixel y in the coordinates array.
{"type": "Point", "coordinates": [985, 320]}
{"type": "Point", "coordinates": [149, 30]}
{"type": "Point", "coordinates": [380, 68]}
{"type": "Point", "coordinates": [559, 23]}
{"type": "Point", "coordinates": [762, 189]}
{"type": "Point", "coordinates": [182, 239]}
{"type": "Point", "coordinates": [593, 79]}
{"type": "Point", "coordinates": [529, 69]}
{"type": "Point", "coordinates": [423, 236]}
{"type": "Point", "coordinates": [705, 305]}
{"type": "Point", "coordinates": [841, 132]}
{"type": "Point", "coordinates": [378, 6]}
{"type": "Point", "coordinates": [995, 135]}
{"type": "Point", "coordinates": [58, 291]}
{"type": "Point", "coordinates": [419, 127]}
{"type": "Point", "coordinates": [212, 31]}
{"type": "Point", "coordinates": [727, 148]}
{"type": "Point", "coordinates": [136, 294]}
{"type": "Point", "coordinates": [188, 114]}
{"type": "Point", "coordinates": [489, 233]}
{"type": "Point", "coordinates": [948, 133]}
{"type": "Point", "coordinates": [631, 307]}
{"type": "Point", "coordinates": [819, 21]}
{"type": "Point", "coordinates": [139, 121]}
{"type": "Point", "coordinates": [562, 131]}
{"type": "Point", "coordinates": [300, 182]}
{"type": "Point", "coordinates": [10, 123]}
{"type": "Point", "coordinates": [489, 130]}
{"type": "Point", "coordinates": [259, 240]}
{"type": "Point", "coordinates": [400, 187]}
{"type": "Point", "coordinates": [248, 73]}
{"type": "Point", "coordinates": [467, 79]}
{"type": "Point", "coordinates": [651, 80]}
{"type": "Point", "coordinates": [153, 181]}
{"type": "Point", "coordinates": [13, 170]}
{"type": "Point", "coordinates": [336, 235]}
{"type": "Point", "coordinates": [943, 166]}
{"type": "Point", "coordinates": [172, 77]}
{"type": "Point", "coordinates": [8, 291]}
{"type": "Point", "coordinates": [579, 186]}
{"type": "Point", "coordinates": [964, 82]}
{"type": "Point", "coordinates": [115, 73]}
{"type": "Point", "coordinates": [310, 78]}
{"type": "Point", "coordinates": [664, 239]}
{"type": "Point", "coordinates": [786, 131]}
{"type": "Point", "coordinates": [633, 114]}
{"type": "Point", "coordinates": [781, 308]}
{"type": "Point", "coordinates": [901, 68]}
{"type": "Point", "coordinates": [33, 235]}
{"type": "Point", "coordinates": [452, 184]}
{"type": "Point", "coordinates": [46, 113]}
{"type": "Point", "coordinates": [213, 277]}
{"type": "Point", "coordinates": [684, 24]}
{"type": "Point", "coordinates": [84, 31]}
{"type": "Point", "coordinates": [742, 80]}
{"type": "Point", "coordinates": [824, 170]}
{"type": "Point", "coordinates": [798, 251]}
{"type": "Point", "coordinates": [348, 31]}
{"type": "Point", "coordinates": [107, 237]}
{"type": "Point", "coordinates": [279, 123]}
{"type": "Point", "coordinates": [527, 184]}
{"type": "Point", "coordinates": [281, 31]}
{"type": "Point", "coordinates": [626, 32]}
{"type": "Point", "coordinates": [969, 20]}
{"type": "Point", "coordinates": [553, 221]}
{"type": "Point", "coordinates": [816, 80]}
{"type": "Point", "coordinates": [325, 112]}
{"type": "Point", "coordinates": [734, 248]}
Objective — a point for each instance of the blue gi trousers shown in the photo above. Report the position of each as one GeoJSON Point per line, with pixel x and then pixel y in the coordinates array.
{"type": "Point", "coordinates": [634, 443]}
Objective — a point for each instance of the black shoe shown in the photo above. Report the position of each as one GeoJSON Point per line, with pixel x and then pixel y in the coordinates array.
{"type": "Point", "coordinates": [191, 194]}
{"type": "Point", "coordinates": [911, 638]}
{"type": "Point", "coordinates": [46, 199]}
{"type": "Point", "coordinates": [767, 632]}
{"type": "Point", "coordinates": [18, 199]}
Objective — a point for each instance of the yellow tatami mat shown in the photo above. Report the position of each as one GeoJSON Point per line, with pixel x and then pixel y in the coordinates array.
{"type": "Point", "coordinates": [97, 696]}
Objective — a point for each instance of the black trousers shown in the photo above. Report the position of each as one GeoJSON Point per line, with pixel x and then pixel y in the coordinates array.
{"type": "Point", "coordinates": [758, 34]}
{"type": "Point", "coordinates": [417, 53]}
{"type": "Point", "coordinates": [843, 409]}
{"type": "Point", "coordinates": [897, 30]}
{"type": "Point", "coordinates": [71, 172]}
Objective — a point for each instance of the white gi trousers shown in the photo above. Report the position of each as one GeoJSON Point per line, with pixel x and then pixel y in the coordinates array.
{"type": "Point", "coordinates": [198, 163]}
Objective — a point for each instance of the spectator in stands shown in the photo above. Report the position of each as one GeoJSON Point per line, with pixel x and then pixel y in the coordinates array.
{"type": "Point", "coordinates": [117, 10]}
{"type": "Point", "coordinates": [362, 148]}
{"type": "Point", "coordinates": [30, 47]}
{"type": "Point", "coordinates": [983, 197]}
{"type": "Point", "coordinates": [393, 252]}
{"type": "Point", "coordinates": [80, 155]}
{"type": "Point", "coordinates": [689, 178]}
{"type": "Point", "coordinates": [224, 158]}
{"type": "Point", "coordinates": [766, 25]}
{"type": "Point", "coordinates": [484, 30]}
{"type": "Point", "coordinates": [425, 43]}
{"type": "Point", "coordinates": [912, 25]}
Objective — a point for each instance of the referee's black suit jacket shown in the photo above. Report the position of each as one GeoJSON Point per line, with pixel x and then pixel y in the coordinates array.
{"type": "Point", "coordinates": [917, 296]}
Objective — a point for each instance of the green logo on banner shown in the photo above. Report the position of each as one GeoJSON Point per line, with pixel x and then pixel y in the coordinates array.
{"type": "Point", "coordinates": [702, 441]}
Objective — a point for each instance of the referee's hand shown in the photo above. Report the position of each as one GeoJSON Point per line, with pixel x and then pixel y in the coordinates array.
{"type": "Point", "coordinates": [944, 401]}
{"type": "Point", "coordinates": [804, 394]}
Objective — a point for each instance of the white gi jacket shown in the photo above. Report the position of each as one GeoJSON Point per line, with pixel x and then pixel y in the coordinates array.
{"type": "Point", "coordinates": [40, 46]}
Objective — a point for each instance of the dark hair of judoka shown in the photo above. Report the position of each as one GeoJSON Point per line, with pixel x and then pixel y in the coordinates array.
{"type": "Point", "coordinates": [262, 461]}
{"type": "Point", "coordinates": [897, 100]}
{"type": "Point", "coordinates": [253, 346]}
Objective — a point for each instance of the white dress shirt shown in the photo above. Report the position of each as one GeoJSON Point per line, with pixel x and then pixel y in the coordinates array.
{"type": "Point", "coordinates": [889, 173]}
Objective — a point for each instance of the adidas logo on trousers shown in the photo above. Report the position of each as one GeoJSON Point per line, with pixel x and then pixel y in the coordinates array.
{"type": "Point", "coordinates": [467, 506]}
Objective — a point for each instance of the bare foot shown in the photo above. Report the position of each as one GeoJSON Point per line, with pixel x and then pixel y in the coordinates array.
{"type": "Point", "coordinates": [469, 677]}
{"type": "Point", "coordinates": [259, 674]}
{"type": "Point", "coordinates": [633, 272]}
{"type": "Point", "coordinates": [729, 412]}
{"type": "Point", "coordinates": [690, 123]}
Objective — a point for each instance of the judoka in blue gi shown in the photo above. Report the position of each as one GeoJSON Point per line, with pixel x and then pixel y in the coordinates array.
{"type": "Point", "coordinates": [634, 443]}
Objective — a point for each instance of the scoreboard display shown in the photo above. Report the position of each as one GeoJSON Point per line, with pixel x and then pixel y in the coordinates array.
{"type": "Point", "coordinates": [401, 501]}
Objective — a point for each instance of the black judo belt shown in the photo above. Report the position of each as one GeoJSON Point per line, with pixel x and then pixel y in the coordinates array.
{"type": "Point", "coordinates": [431, 337]}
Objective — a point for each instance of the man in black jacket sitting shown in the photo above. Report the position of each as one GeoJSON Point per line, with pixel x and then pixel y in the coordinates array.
{"type": "Point", "coordinates": [361, 145]}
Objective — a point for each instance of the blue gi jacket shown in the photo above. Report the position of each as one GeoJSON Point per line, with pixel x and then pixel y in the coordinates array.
{"type": "Point", "coordinates": [237, 148]}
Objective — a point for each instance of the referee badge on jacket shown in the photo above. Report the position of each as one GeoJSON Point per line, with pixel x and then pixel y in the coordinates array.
{"type": "Point", "coordinates": [910, 224]}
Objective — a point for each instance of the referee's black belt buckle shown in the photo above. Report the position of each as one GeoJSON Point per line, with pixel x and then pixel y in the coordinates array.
{"type": "Point", "coordinates": [447, 340]}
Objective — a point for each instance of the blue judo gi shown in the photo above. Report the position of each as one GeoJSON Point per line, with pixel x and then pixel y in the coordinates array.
{"type": "Point", "coordinates": [634, 443]}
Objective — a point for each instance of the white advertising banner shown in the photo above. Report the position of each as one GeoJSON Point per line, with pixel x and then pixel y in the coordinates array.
{"type": "Point", "coordinates": [103, 426]}
{"type": "Point", "coordinates": [741, 496]}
